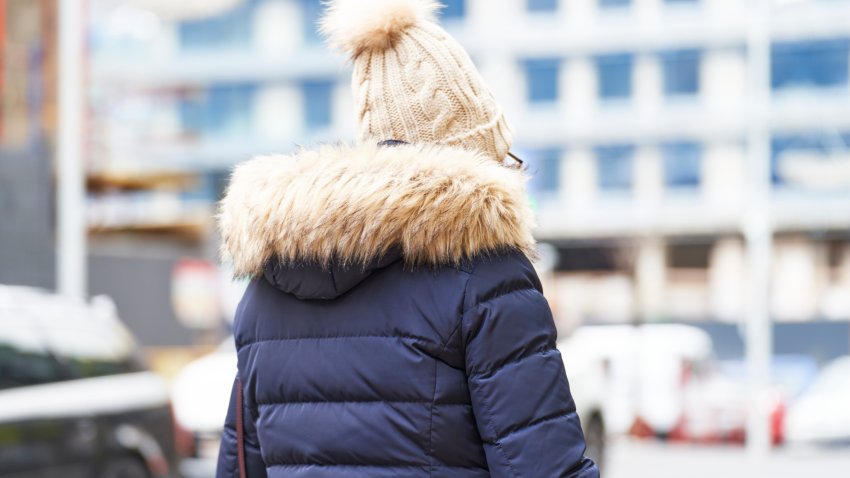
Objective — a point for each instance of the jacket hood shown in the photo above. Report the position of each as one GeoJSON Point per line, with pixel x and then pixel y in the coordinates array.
{"type": "Point", "coordinates": [313, 281]}
{"type": "Point", "coordinates": [339, 212]}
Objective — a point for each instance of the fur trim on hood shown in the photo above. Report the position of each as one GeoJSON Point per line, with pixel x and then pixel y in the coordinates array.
{"type": "Point", "coordinates": [350, 205]}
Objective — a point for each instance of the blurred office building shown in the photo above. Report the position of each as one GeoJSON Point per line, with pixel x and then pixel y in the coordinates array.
{"type": "Point", "coordinates": [635, 114]}
{"type": "Point", "coordinates": [632, 115]}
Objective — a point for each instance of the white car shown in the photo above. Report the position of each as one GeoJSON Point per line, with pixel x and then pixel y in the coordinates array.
{"type": "Point", "coordinates": [646, 372]}
{"type": "Point", "coordinates": [821, 415]}
{"type": "Point", "coordinates": [588, 387]}
{"type": "Point", "coordinates": [200, 394]}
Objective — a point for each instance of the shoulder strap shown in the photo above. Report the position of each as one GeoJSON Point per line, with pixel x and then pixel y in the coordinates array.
{"type": "Point", "coordinates": [240, 430]}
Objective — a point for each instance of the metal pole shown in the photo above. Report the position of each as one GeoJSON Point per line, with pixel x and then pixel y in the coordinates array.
{"type": "Point", "coordinates": [758, 229]}
{"type": "Point", "coordinates": [71, 236]}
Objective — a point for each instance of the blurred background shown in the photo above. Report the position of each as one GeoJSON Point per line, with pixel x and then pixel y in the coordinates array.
{"type": "Point", "coordinates": [691, 178]}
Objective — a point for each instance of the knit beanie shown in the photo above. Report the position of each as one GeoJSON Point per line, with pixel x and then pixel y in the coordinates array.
{"type": "Point", "coordinates": [412, 81]}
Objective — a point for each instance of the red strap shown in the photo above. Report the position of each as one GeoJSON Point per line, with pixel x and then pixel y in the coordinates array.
{"type": "Point", "coordinates": [240, 431]}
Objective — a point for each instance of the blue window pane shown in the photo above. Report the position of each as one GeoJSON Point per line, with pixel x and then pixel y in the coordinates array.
{"type": "Point", "coordinates": [542, 77]}
{"type": "Point", "coordinates": [230, 29]}
{"type": "Point", "coordinates": [615, 167]}
{"type": "Point", "coordinates": [682, 164]}
{"type": "Point", "coordinates": [614, 76]}
{"type": "Point", "coordinates": [541, 5]}
{"type": "Point", "coordinates": [614, 3]}
{"type": "Point", "coordinates": [681, 72]}
{"type": "Point", "coordinates": [813, 64]}
{"type": "Point", "coordinates": [220, 111]}
{"type": "Point", "coordinates": [209, 186]}
{"type": "Point", "coordinates": [312, 11]}
{"type": "Point", "coordinates": [814, 146]}
{"type": "Point", "coordinates": [454, 9]}
{"type": "Point", "coordinates": [318, 103]}
{"type": "Point", "coordinates": [545, 168]}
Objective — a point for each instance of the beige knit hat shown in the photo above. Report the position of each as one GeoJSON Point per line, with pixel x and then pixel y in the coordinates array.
{"type": "Point", "coordinates": [412, 81]}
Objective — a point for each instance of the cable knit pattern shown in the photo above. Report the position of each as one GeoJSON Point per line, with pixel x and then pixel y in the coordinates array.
{"type": "Point", "coordinates": [412, 81]}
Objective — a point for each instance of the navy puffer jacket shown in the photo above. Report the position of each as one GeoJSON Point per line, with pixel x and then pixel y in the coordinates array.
{"type": "Point", "coordinates": [393, 326]}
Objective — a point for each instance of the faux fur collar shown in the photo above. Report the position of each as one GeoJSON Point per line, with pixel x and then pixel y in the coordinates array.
{"type": "Point", "coordinates": [350, 205]}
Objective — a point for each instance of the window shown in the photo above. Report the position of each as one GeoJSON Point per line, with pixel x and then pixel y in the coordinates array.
{"type": "Point", "coordinates": [811, 64]}
{"type": "Point", "coordinates": [689, 255]}
{"type": "Point", "coordinates": [682, 163]}
{"type": "Point", "coordinates": [541, 6]}
{"type": "Point", "coordinates": [614, 76]}
{"type": "Point", "coordinates": [220, 111]}
{"type": "Point", "coordinates": [542, 77]}
{"type": "Point", "coordinates": [24, 359]}
{"type": "Point", "coordinates": [614, 3]}
{"type": "Point", "coordinates": [86, 343]}
{"type": "Point", "coordinates": [835, 252]}
{"type": "Point", "coordinates": [454, 9]}
{"type": "Point", "coordinates": [589, 257]}
{"type": "Point", "coordinates": [545, 168]}
{"type": "Point", "coordinates": [230, 29]}
{"type": "Point", "coordinates": [311, 13]}
{"type": "Point", "coordinates": [681, 72]}
{"type": "Point", "coordinates": [318, 103]}
{"type": "Point", "coordinates": [809, 161]}
{"type": "Point", "coordinates": [615, 167]}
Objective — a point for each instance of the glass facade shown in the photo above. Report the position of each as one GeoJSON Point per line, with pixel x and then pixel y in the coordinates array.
{"type": "Point", "coordinates": [311, 13]}
{"type": "Point", "coordinates": [615, 167]}
{"type": "Point", "coordinates": [454, 9]}
{"type": "Point", "coordinates": [682, 164]}
{"type": "Point", "coordinates": [542, 77]}
{"type": "Point", "coordinates": [681, 71]}
{"type": "Point", "coordinates": [231, 29]}
{"type": "Point", "coordinates": [225, 110]}
{"type": "Point", "coordinates": [799, 160]}
{"type": "Point", "coordinates": [614, 3]}
{"type": "Point", "coordinates": [220, 111]}
{"type": "Point", "coordinates": [541, 6]}
{"type": "Point", "coordinates": [544, 165]}
{"type": "Point", "coordinates": [810, 64]}
{"type": "Point", "coordinates": [614, 73]}
{"type": "Point", "coordinates": [318, 104]}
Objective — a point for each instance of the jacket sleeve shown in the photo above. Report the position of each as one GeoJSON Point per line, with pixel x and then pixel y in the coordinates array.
{"type": "Point", "coordinates": [228, 461]}
{"type": "Point", "coordinates": [525, 413]}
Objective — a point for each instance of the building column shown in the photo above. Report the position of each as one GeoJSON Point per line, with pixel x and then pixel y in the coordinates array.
{"type": "Point", "coordinates": [651, 278]}
{"type": "Point", "coordinates": [726, 279]}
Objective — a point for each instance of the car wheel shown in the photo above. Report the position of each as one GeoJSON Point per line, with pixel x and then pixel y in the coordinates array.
{"type": "Point", "coordinates": [125, 467]}
{"type": "Point", "coordinates": [594, 438]}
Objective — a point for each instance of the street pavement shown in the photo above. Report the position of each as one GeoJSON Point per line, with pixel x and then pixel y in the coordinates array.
{"type": "Point", "coordinates": [648, 459]}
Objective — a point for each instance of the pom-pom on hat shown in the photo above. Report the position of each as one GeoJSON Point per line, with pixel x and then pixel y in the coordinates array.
{"type": "Point", "coordinates": [412, 81]}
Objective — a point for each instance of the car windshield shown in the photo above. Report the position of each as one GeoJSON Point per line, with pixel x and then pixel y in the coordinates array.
{"type": "Point", "coordinates": [833, 379]}
{"type": "Point", "coordinates": [87, 343]}
{"type": "Point", "coordinates": [24, 359]}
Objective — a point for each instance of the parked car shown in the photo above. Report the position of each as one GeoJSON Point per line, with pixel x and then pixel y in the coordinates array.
{"type": "Point", "coordinates": [75, 400]}
{"type": "Point", "coordinates": [588, 380]}
{"type": "Point", "coordinates": [724, 403]}
{"type": "Point", "coordinates": [821, 415]}
{"type": "Point", "coordinates": [648, 373]}
{"type": "Point", "coordinates": [201, 394]}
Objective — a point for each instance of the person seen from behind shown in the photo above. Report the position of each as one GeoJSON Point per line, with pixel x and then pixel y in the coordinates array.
{"type": "Point", "coordinates": [394, 326]}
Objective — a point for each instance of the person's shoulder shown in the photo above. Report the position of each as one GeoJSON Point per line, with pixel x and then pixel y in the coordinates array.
{"type": "Point", "coordinates": [499, 273]}
{"type": "Point", "coordinates": [510, 262]}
